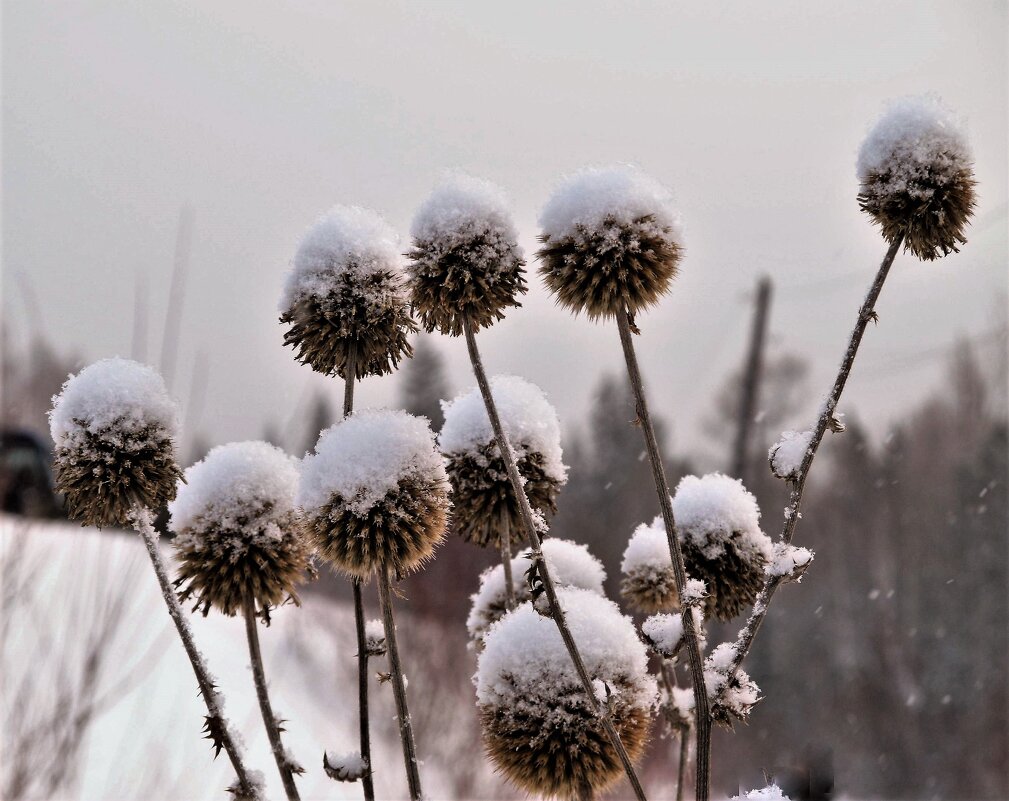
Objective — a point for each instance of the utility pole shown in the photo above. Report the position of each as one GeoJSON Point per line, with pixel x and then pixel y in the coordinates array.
{"type": "Point", "coordinates": [751, 380]}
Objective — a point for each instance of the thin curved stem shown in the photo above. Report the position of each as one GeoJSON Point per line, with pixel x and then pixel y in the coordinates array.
{"type": "Point", "coordinates": [695, 661]}
{"type": "Point", "coordinates": [506, 562]}
{"type": "Point", "coordinates": [284, 764]}
{"type": "Point", "coordinates": [217, 724]}
{"type": "Point", "coordinates": [537, 555]}
{"type": "Point", "coordinates": [399, 686]}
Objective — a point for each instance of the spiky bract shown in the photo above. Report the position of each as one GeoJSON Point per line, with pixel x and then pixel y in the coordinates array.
{"type": "Point", "coordinates": [650, 590]}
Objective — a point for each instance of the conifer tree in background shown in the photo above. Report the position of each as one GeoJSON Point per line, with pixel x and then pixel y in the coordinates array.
{"type": "Point", "coordinates": [424, 385]}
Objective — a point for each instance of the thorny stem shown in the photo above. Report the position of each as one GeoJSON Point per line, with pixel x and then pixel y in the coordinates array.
{"type": "Point", "coordinates": [262, 693]}
{"type": "Point", "coordinates": [142, 521]}
{"type": "Point", "coordinates": [796, 486]}
{"type": "Point", "coordinates": [399, 686]}
{"type": "Point", "coordinates": [350, 373]}
{"type": "Point", "coordinates": [702, 714]}
{"type": "Point", "coordinates": [506, 561]}
{"type": "Point", "coordinates": [536, 544]}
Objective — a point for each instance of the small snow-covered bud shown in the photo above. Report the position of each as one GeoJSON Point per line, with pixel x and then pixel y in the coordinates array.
{"type": "Point", "coordinates": [787, 454]}
{"type": "Point", "coordinates": [770, 793]}
{"type": "Point", "coordinates": [732, 695]}
{"type": "Point", "coordinates": [375, 493]}
{"type": "Point", "coordinates": [570, 565]}
{"type": "Point", "coordinates": [237, 530]}
{"type": "Point", "coordinates": [347, 289]}
{"type": "Point", "coordinates": [483, 500]}
{"type": "Point", "coordinates": [916, 176]}
{"type": "Point", "coordinates": [374, 638]}
{"type": "Point", "coordinates": [465, 261]}
{"type": "Point", "coordinates": [718, 522]}
{"type": "Point", "coordinates": [664, 632]}
{"type": "Point", "coordinates": [539, 728]}
{"type": "Point", "coordinates": [789, 562]}
{"type": "Point", "coordinates": [678, 706]}
{"type": "Point", "coordinates": [114, 429]}
{"type": "Point", "coordinates": [345, 767]}
{"type": "Point", "coordinates": [649, 584]}
{"type": "Point", "coordinates": [611, 241]}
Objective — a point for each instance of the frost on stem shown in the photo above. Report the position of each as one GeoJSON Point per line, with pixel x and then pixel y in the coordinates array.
{"type": "Point", "coordinates": [732, 695]}
{"type": "Point", "coordinates": [539, 728]}
{"type": "Point", "coordinates": [114, 428]}
{"type": "Point", "coordinates": [465, 262]}
{"type": "Point", "coordinates": [787, 454]}
{"type": "Point", "coordinates": [345, 767]}
{"type": "Point", "coordinates": [375, 493]}
{"type": "Point", "coordinates": [611, 241]}
{"type": "Point", "coordinates": [915, 170]}
{"type": "Point", "coordinates": [484, 504]}
{"type": "Point", "coordinates": [664, 632]}
{"type": "Point", "coordinates": [570, 565]}
{"type": "Point", "coordinates": [237, 528]}
{"type": "Point", "coordinates": [789, 562]}
{"type": "Point", "coordinates": [347, 288]}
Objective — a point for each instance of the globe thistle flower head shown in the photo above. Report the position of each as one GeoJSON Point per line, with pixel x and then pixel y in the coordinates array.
{"type": "Point", "coordinates": [916, 176]}
{"type": "Point", "coordinates": [649, 584]}
{"type": "Point", "coordinates": [483, 499]}
{"type": "Point", "coordinates": [375, 493]}
{"type": "Point", "coordinates": [465, 261]}
{"type": "Point", "coordinates": [237, 529]}
{"type": "Point", "coordinates": [718, 522]}
{"type": "Point", "coordinates": [611, 242]}
{"type": "Point", "coordinates": [539, 729]}
{"type": "Point", "coordinates": [114, 428]}
{"type": "Point", "coordinates": [570, 564]}
{"type": "Point", "coordinates": [347, 289]}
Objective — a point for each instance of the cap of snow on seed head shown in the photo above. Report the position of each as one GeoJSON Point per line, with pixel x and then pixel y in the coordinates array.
{"type": "Point", "coordinates": [718, 521]}
{"type": "Point", "coordinates": [611, 241]}
{"type": "Point", "coordinates": [237, 529]}
{"type": "Point", "coordinates": [538, 726]}
{"type": "Point", "coordinates": [375, 493]}
{"type": "Point", "coordinates": [114, 427]}
{"type": "Point", "coordinates": [465, 261]}
{"type": "Point", "coordinates": [916, 176]}
{"type": "Point", "coordinates": [348, 767]}
{"type": "Point", "coordinates": [649, 584]}
{"type": "Point", "coordinates": [346, 291]}
{"type": "Point", "coordinates": [570, 565]}
{"type": "Point", "coordinates": [732, 695]}
{"type": "Point", "coordinates": [484, 502]}
{"type": "Point", "coordinates": [664, 632]}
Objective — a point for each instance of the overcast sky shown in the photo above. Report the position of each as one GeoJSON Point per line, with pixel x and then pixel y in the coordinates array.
{"type": "Point", "coordinates": [262, 115]}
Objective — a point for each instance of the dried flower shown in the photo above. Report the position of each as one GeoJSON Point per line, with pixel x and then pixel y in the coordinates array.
{"type": "Point", "coordinates": [345, 767]}
{"type": "Point", "coordinates": [114, 429]}
{"type": "Point", "coordinates": [732, 694]}
{"type": "Point", "coordinates": [649, 584]}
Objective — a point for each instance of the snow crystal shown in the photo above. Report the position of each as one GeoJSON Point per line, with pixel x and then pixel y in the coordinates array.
{"type": "Point", "coordinates": [787, 453]}
{"type": "Point", "coordinates": [682, 699]}
{"type": "Point", "coordinates": [529, 421]}
{"type": "Point", "coordinates": [569, 563]}
{"type": "Point", "coordinates": [346, 240]}
{"type": "Point", "coordinates": [587, 201]}
{"type": "Point", "coordinates": [345, 767]}
{"type": "Point", "coordinates": [714, 508]}
{"type": "Point", "coordinates": [120, 391]}
{"type": "Point", "coordinates": [789, 560]}
{"type": "Point", "coordinates": [771, 793]}
{"type": "Point", "coordinates": [461, 209]}
{"type": "Point", "coordinates": [647, 550]}
{"type": "Point", "coordinates": [234, 479]}
{"type": "Point", "coordinates": [365, 456]}
{"type": "Point", "coordinates": [665, 631]}
{"type": "Point", "coordinates": [695, 591]}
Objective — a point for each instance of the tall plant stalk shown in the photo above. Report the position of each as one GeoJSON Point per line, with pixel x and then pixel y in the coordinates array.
{"type": "Point", "coordinates": [217, 726]}
{"type": "Point", "coordinates": [702, 713]}
{"type": "Point", "coordinates": [265, 707]}
{"type": "Point", "coordinates": [537, 555]}
{"type": "Point", "coordinates": [506, 562]}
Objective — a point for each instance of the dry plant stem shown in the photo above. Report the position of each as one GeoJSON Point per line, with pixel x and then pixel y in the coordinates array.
{"type": "Point", "coordinates": [535, 543]}
{"type": "Point", "coordinates": [506, 562]}
{"type": "Point", "coordinates": [362, 648]}
{"type": "Point", "coordinates": [702, 713]}
{"type": "Point", "coordinates": [668, 674]}
{"type": "Point", "coordinates": [796, 486]}
{"type": "Point", "coordinates": [399, 686]}
{"type": "Point", "coordinates": [263, 694]}
{"type": "Point", "coordinates": [142, 522]}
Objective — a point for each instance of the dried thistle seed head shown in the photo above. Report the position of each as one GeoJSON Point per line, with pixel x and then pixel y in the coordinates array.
{"type": "Point", "coordinates": [114, 429]}
{"type": "Point", "coordinates": [465, 261]}
{"type": "Point", "coordinates": [539, 728]}
{"type": "Point", "coordinates": [718, 522]}
{"type": "Point", "coordinates": [916, 177]}
{"type": "Point", "coordinates": [611, 241]}
{"type": "Point", "coordinates": [570, 564]}
{"type": "Point", "coordinates": [237, 529]}
{"type": "Point", "coordinates": [347, 289]}
{"type": "Point", "coordinates": [345, 767]}
{"type": "Point", "coordinates": [483, 500]}
{"type": "Point", "coordinates": [375, 493]}
{"type": "Point", "coordinates": [732, 695]}
{"type": "Point", "coordinates": [649, 584]}
{"type": "Point", "coordinates": [374, 638]}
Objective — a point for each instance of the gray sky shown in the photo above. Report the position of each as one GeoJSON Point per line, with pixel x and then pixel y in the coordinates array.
{"type": "Point", "coordinates": [262, 115]}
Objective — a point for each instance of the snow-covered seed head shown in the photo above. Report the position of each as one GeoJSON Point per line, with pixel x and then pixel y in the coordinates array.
{"type": "Point", "coordinates": [539, 728]}
{"type": "Point", "coordinates": [375, 493]}
{"type": "Point", "coordinates": [718, 522]}
{"type": "Point", "coordinates": [347, 288]}
{"type": "Point", "coordinates": [664, 632]}
{"type": "Point", "coordinates": [114, 428]}
{"type": "Point", "coordinates": [345, 767]}
{"type": "Point", "coordinates": [916, 176]}
{"type": "Point", "coordinates": [649, 584]}
{"type": "Point", "coordinates": [611, 242]}
{"type": "Point", "coordinates": [465, 261]}
{"type": "Point", "coordinates": [570, 565]}
{"type": "Point", "coordinates": [733, 694]}
{"type": "Point", "coordinates": [483, 501]}
{"type": "Point", "coordinates": [237, 529]}
{"type": "Point", "coordinates": [374, 638]}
